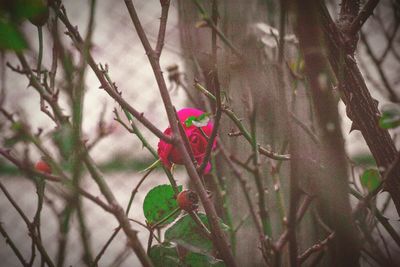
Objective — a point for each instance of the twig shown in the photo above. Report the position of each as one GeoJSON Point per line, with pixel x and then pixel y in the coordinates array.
{"type": "Point", "coordinates": [54, 61]}
{"type": "Point", "coordinates": [166, 218]}
{"type": "Point", "coordinates": [384, 221]}
{"type": "Point", "coordinates": [218, 113]}
{"type": "Point", "coordinates": [118, 212]}
{"type": "Point", "coordinates": [6, 153]}
{"type": "Point", "coordinates": [185, 139]}
{"type": "Point", "coordinates": [271, 154]}
{"type": "Point", "coordinates": [147, 145]}
{"type": "Point", "coordinates": [264, 214]}
{"type": "Point", "coordinates": [40, 187]}
{"type": "Point", "coordinates": [299, 215]}
{"type": "Point", "coordinates": [221, 190]}
{"type": "Point", "coordinates": [211, 24]}
{"type": "Point", "coordinates": [204, 230]}
{"type": "Point", "coordinates": [31, 229]}
{"type": "Point", "coordinates": [364, 14]}
{"type": "Point", "coordinates": [278, 192]}
{"type": "Point", "coordinates": [246, 191]}
{"type": "Point", "coordinates": [306, 129]}
{"type": "Point", "coordinates": [163, 25]}
{"type": "Point", "coordinates": [120, 258]}
{"type": "Point", "coordinates": [136, 189]}
{"type": "Point", "coordinates": [103, 249]}
{"type": "Point", "coordinates": [53, 178]}
{"type": "Point", "coordinates": [315, 248]}
{"type": "Point", "coordinates": [241, 164]}
{"type": "Point", "coordinates": [385, 245]}
{"type": "Point", "coordinates": [219, 238]}
{"type": "Point", "coordinates": [40, 56]}
{"type": "Point", "coordinates": [106, 86]}
{"type": "Point", "coordinates": [240, 125]}
{"type": "Point", "coordinates": [40, 89]}
{"type": "Point", "coordinates": [12, 245]}
{"type": "Point", "coordinates": [77, 96]}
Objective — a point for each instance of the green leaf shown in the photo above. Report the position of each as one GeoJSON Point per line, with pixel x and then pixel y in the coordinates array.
{"type": "Point", "coordinates": [198, 121]}
{"type": "Point", "coordinates": [159, 203]}
{"type": "Point", "coordinates": [390, 118]}
{"type": "Point", "coordinates": [189, 121]}
{"type": "Point", "coordinates": [201, 121]}
{"type": "Point", "coordinates": [370, 179]}
{"type": "Point", "coordinates": [199, 260]}
{"type": "Point", "coordinates": [10, 37]}
{"type": "Point", "coordinates": [164, 255]}
{"type": "Point", "coordinates": [187, 233]}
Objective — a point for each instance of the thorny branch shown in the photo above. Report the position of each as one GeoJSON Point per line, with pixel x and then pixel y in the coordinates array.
{"type": "Point", "coordinates": [218, 236]}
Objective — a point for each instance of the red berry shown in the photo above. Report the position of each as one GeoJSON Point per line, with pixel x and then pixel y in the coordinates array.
{"type": "Point", "coordinates": [43, 167]}
{"type": "Point", "coordinates": [188, 200]}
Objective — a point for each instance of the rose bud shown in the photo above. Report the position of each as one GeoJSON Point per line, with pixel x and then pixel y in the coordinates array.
{"type": "Point", "coordinates": [188, 200]}
{"type": "Point", "coordinates": [42, 166]}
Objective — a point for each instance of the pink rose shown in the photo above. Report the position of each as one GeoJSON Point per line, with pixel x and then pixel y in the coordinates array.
{"type": "Point", "coordinates": [170, 154]}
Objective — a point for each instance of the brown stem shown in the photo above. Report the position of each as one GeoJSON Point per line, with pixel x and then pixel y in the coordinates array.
{"type": "Point", "coordinates": [106, 86]}
{"type": "Point", "coordinates": [118, 212]}
{"type": "Point", "coordinates": [219, 238]}
{"type": "Point", "coordinates": [12, 245]}
{"type": "Point", "coordinates": [53, 178]}
{"type": "Point", "coordinates": [31, 229]}
{"type": "Point", "coordinates": [246, 191]}
{"type": "Point", "coordinates": [361, 107]}
{"type": "Point", "coordinates": [315, 248]}
{"type": "Point", "coordinates": [163, 26]}
{"type": "Point", "coordinates": [284, 237]}
{"type": "Point", "coordinates": [364, 14]}
{"type": "Point", "coordinates": [332, 193]}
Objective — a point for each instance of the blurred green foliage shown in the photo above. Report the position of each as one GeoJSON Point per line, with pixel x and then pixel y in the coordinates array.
{"type": "Point", "coordinates": [12, 14]}
{"type": "Point", "coordinates": [370, 179]}
{"type": "Point", "coordinates": [390, 118]}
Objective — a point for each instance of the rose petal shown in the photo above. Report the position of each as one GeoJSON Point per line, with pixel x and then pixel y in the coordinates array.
{"type": "Point", "coordinates": [170, 154]}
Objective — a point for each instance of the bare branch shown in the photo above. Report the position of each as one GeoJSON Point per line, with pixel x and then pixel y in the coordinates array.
{"type": "Point", "coordinates": [163, 26]}
{"type": "Point", "coordinates": [219, 238]}
{"type": "Point", "coordinates": [12, 245]}
{"type": "Point", "coordinates": [364, 14]}
{"type": "Point", "coordinates": [315, 248]}
{"type": "Point", "coordinates": [31, 229]}
{"type": "Point", "coordinates": [104, 83]}
{"type": "Point", "coordinates": [299, 215]}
